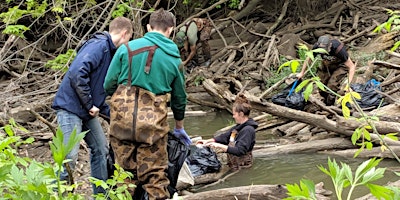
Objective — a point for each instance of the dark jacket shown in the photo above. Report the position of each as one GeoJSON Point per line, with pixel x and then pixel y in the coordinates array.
{"type": "Point", "coordinates": [245, 139]}
{"type": "Point", "coordinates": [82, 85]}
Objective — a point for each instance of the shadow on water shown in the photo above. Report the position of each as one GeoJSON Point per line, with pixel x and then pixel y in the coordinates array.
{"type": "Point", "coordinates": [281, 169]}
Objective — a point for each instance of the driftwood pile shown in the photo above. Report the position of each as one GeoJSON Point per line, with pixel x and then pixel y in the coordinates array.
{"type": "Point", "coordinates": [248, 47]}
{"type": "Point", "coordinates": [245, 61]}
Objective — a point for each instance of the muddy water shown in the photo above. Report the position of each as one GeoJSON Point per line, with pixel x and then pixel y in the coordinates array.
{"type": "Point", "coordinates": [282, 169]}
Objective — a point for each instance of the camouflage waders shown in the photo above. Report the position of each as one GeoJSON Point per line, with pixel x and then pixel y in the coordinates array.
{"type": "Point", "coordinates": [205, 35]}
{"type": "Point", "coordinates": [238, 162]}
{"type": "Point", "coordinates": [332, 72]}
{"type": "Point", "coordinates": [138, 133]}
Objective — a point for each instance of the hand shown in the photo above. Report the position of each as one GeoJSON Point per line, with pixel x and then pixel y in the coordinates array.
{"type": "Point", "coordinates": [183, 136]}
{"type": "Point", "coordinates": [94, 111]}
{"type": "Point", "coordinates": [220, 146]}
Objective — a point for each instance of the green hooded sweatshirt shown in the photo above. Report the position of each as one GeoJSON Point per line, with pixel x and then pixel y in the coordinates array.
{"type": "Point", "coordinates": [165, 76]}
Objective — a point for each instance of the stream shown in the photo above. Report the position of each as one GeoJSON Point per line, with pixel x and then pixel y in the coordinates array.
{"type": "Point", "coordinates": [281, 169]}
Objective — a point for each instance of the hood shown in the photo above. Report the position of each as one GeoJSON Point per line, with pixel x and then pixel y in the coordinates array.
{"type": "Point", "coordinates": [164, 43]}
{"type": "Point", "coordinates": [249, 122]}
{"type": "Point", "coordinates": [105, 36]}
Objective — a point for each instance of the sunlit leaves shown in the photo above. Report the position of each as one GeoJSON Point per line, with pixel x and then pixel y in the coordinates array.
{"type": "Point", "coordinates": [12, 15]}
{"type": "Point", "coordinates": [347, 98]}
{"type": "Point", "coordinates": [392, 24]}
{"type": "Point", "coordinates": [293, 64]}
{"type": "Point", "coordinates": [62, 61]}
{"type": "Point", "coordinates": [306, 190]}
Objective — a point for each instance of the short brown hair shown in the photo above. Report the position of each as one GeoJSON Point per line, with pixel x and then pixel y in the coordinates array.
{"type": "Point", "coordinates": [242, 104]}
{"type": "Point", "coordinates": [121, 23]}
{"type": "Point", "coordinates": [162, 19]}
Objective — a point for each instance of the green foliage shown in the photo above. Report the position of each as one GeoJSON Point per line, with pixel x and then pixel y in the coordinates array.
{"type": "Point", "coordinates": [122, 8]}
{"type": "Point", "coordinates": [62, 61]}
{"type": "Point", "coordinates": [14, 14]}
{"type": "Point", "coordinates": [23, 178]}
{"type": "Point", "coordinates": [115, 187]}
{"type": "Point", "coordinates": [343, 177]}
{"type": "Point", "coordinates": [392, 24]}
{"type": "Point", "coordinates": [234, 4]}
{"type": "Point", "coordinates": [198, 80]}
{"type": "Point", "coordinates": [17, 30]}
{"type": "Point", "coordinates": [306, 190]}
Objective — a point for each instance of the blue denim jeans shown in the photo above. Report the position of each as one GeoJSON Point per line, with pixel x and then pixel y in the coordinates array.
{"type": "Point", "coordinates": [94, 138]}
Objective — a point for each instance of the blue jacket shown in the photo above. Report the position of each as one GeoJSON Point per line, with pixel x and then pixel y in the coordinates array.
{"type": "Point", "coordinates": [82, 85]}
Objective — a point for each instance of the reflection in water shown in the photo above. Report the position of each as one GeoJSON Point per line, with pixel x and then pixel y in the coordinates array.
{"type": "Point", "coordinates": [282, 169]}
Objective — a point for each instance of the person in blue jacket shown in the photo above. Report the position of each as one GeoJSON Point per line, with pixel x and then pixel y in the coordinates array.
{"type": "Point", "coordinates": [81, 96]}
{"type": "Point", "coordinates": [238, 141]}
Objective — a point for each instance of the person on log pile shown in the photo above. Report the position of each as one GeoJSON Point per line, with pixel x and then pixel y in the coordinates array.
{"type": "Point", "coordinates": [197, 30]}
{"type": "Point", "coordinates": [239, 141]}
{"type": "Point", "coordinates": [143, 76]}
{"type": "Point", "coordinates": [81, 97]}
{"type": "Point", "coordinates": [334, 67]}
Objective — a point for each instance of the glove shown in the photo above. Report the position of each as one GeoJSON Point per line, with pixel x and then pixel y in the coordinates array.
{"type": "Point", "coordinates": [183, 136]}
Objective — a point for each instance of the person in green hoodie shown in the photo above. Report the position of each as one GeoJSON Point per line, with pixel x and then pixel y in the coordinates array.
{"type": "Point", "coordinates": [139, 127]}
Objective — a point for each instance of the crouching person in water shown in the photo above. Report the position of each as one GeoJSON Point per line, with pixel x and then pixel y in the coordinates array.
{"type": "Point", "coordinates": [239, 141]}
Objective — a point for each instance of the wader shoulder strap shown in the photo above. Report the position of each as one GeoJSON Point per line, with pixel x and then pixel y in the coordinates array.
{"type": "Point", "coordinates": [339, 48]}
{"type": "Point", "coordinates": [150, 49]}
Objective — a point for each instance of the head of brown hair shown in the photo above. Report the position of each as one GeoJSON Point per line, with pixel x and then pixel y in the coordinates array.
{"type": "Point", "coordinates": [242, 104]}
{"type": "Point", "coordinates": [162, 20]}
{"type": "Point", "coordinates": [119, 24]}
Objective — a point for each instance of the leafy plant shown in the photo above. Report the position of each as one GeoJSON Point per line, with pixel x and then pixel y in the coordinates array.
{"type": "Point", "coordinates": [198, 80]}
{"type": "Point", "coordinates": [392, 24]}
{"type": "Point", "coordinates": [62, 61]}
{"type": "Point", "coordinates": [306, 190]}
{"type": "Point", "coordinates": [115, 187]}
{"type": "Point", "coordinates": [343, 177]}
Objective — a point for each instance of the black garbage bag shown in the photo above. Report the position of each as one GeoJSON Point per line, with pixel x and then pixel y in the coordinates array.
{"type": "Point", "coordinates": [177, 154]}
{"type": "Point", "coordinates": [289, 98]}
{"type": "Point", "coordinates": [369, 96]}
{"type": "Point", "coordinates": [202, 161]}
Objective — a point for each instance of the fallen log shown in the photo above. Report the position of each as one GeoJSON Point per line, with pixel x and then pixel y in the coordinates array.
{"type": "Point", "coordinates": [305, 147]}
{"type": "Point", "coordinates": [241, 193]}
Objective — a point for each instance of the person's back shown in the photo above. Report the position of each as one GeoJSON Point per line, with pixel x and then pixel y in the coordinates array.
{"type": "Point", "coordinates": [146, 73]}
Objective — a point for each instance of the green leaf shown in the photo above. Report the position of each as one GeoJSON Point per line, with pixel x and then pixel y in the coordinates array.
{"type": "Point", "coordinates": [307, 92]}
{"type": "Point", "coordinates": [294, 65]}
{"type": "Point", "coordinates": [380, 192]}
{"type": "Point", "coordinates": [302, 84]}
{"type": "Point", "coordinates": [320, 50]}
{"type": "Point", "coordinates": [355, 136]}
{"type": "Point", "coordinates": [392, 136]}
{"type": "Point", "coordinates": [366, 134]}
{"type": "Point", "coordinates": [284, 65]}
{"type": "Point", "coordinates": [17, 30]}
{"type": "Point", "coordinates": [396, 45]}
{"type": "Point", "coordinates": [8, 129]}
{"type": "Point", "coordinates": [320, 85]}
{"type": "Point", "coordinates": [368, 145]}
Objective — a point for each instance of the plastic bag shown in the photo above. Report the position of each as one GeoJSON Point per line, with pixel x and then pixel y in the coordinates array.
{"type": "Point", "coordinates": [177, 154]}
{"type": "Point", "coordinates": [289, 98]}
{"type": "Point", "coordinates": [202, 161]}
{"type": "Point", "coordinates": [369, 97]}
